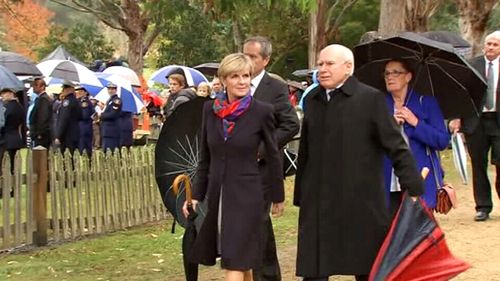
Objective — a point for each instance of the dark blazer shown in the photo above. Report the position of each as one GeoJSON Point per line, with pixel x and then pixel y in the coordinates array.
{"type": "Point", "coordinates": [230, 167]}
{"type": "Point", "coordinates": [275, 92]}
{"type": "Point", "coordinates": [469, 124]}
{"type": "Point", "coordinates": [111, 117]}
{"type": "Point", "coordinates": [343, 217]}
{"type": "Point", "coordinates": [68, 128]}
{"type": "Point", "coordinates": [13, 130]}
{"type": "Point", "coordinates": [40, 121]}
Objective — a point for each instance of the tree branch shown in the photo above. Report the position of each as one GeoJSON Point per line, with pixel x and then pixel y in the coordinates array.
{"type": "Point", "coordinates": [150, 38]}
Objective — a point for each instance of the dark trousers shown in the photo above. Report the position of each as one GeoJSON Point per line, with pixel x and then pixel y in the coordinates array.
{"type": "Point", "coordinates": [485, 137]}
{"type": "Point", "coordinates": [358, 278]}
{"type": "Point", "coordinates": [270, 270]}
{"type": "Point", "coordinates": [395, 202]}
{"type": "Point", "coordinates": [110, 143]}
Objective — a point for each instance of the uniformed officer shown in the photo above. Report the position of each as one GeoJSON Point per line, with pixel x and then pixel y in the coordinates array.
{"type": "Point", "coordinates": [70, 113]}
{"type": "Point", "coordinates": [86, 132]}
{"type": "Point", "coordinates": [110, 119]}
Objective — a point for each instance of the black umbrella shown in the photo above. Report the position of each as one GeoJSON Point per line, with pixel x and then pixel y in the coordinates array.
{"type": "Point", "coordinates": [9, 80]}
{"type": "Point", "coordinates": [449, 37]}
{"type": "Point", "coordinates": [209, 68]}
{"type": "Point", "coordinates": [176, 153]}
{"type": "Point", "coordinates": [439, 71]}
{"type": "Point", "coordinates": [189, 237]}
{"type": "Point", "coordinates": [18, 64]}
{"type": "Point", "coordinates": [302, 72]}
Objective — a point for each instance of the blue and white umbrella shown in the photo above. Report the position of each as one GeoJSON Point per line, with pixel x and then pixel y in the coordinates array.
{"type": "Point", "coordinates": [193, 76]}
{"type": "Point", "coordinates": [68, 70]}
{"type": "Point", "coordinates": [131, 99]}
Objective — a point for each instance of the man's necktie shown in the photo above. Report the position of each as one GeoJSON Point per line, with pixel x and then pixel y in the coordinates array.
{"type": "Point", "coordinates": [490, 95]}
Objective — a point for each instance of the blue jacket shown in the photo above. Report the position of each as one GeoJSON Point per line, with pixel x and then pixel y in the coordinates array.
{"type": "Point", "coordinates": [431, 133]}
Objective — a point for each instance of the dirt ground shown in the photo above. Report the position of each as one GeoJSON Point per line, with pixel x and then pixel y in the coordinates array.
{"type": "Point", "coordinates": [478, 243]}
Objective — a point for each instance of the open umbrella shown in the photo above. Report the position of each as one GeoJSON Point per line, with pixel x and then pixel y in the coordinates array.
{"type": "Point", "coordinates": [461, 45]}
{"type": "Point", "coordinates": [209, 68]}
{"type": "Point", "coordinates": [131, 99]}
{"type": "Point", "coordinates": [125, 72]}
{"type": "Point", "coordinates": [72, 71]}
{"type": "Point", "coordinates": [176, 153]}
{"type": "Point", "coordinates": [415, 248]}
{"type": "Point", "coordinates": [190, 269]}
{"type": "Point", "coordinates": [60, 53]}
{"type": "Point", "coordinates": [9, 80]}
{"type": "Point", "coordinates": [193, 76]}
{"type": "Point", "coordinates": [439, 71]}
{"type": "Point", "coordinates": [18, 64]}
{"type": "Point", "coordinates": [302, 72]}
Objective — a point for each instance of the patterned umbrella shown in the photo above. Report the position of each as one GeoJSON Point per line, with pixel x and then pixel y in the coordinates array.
{"type": "Point", "coordinates": [131, 99]}
{"type": "Point", "coordinates": [72, 71]}
{"type": "Point", "coordinates": [193, 76]}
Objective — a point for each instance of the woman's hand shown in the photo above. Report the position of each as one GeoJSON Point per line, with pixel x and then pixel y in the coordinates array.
{"type": "Point", "coordinates": [407, 115]}
{"type": "Point", "coordinates": [277, 209]}
{"type": "Point", "coordinates": [185, 207]}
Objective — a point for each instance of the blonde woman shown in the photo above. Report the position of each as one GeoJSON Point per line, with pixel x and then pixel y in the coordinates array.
{"type": "Point", "coordinates": [234, 126]}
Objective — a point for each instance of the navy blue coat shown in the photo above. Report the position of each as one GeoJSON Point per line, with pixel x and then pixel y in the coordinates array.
{"type": "Point", "coordinates": [430, 132]}
{"type": "Point", "coordinates": [86, 132]}
{"type": "Point", "coordinates": [126, 129]}
{"type": "Point", "coordinates": [12, 132]}
{"type": "Point", "coordinates": [67, 129]}
{"type": "Point", "coordinates": [110, 118]}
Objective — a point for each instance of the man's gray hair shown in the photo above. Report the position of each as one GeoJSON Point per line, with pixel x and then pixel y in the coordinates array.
{"type": "Point", "coordinates": [266, 48]}
{"type": "Point", "coordinates": [494, 35]}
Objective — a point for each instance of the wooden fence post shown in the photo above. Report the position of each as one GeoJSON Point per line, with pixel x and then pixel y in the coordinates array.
{"type": "Point", "coordinates": [40, 203]}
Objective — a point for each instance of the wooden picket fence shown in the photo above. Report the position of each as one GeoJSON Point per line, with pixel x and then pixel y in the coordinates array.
{"type": "Point", "coordinates": [104, 193]}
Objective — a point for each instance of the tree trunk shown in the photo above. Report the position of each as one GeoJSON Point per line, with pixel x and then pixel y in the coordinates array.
{"type": "Point", "coordinates": [418, 14]}
{"type": "Point", "coordinates": [474, 16]}
{"type": "Point", "coordinates": [317, 32]}
{"type": "Point", "coordinates": [392, 17]}
{"type": "Point", "coordinates": [135, 53]}
{"type": "Point", "coordinates": [237, 37]}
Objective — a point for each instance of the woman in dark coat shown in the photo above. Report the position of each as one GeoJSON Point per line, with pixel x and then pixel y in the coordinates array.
{"type": "Point", "coordinates": [234, 126]}
{"type": "Point", "coordinates": [13, 130]}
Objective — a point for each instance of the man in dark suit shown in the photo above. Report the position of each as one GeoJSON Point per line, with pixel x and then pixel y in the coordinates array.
{"type": "Point", "coordinates": [270, 90]}
{"type": "Point", "coordinates": [346, 131]}
{"type": "Point", "coordinates": [482, 132]}
{"type": "Point", "coordinates": [41, 116]}
{"type": "Point", "coordinates": [67, 128]}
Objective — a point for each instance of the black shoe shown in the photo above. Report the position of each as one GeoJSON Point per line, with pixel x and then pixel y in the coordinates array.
{"type": "Point", "coordinates": [481, 216]}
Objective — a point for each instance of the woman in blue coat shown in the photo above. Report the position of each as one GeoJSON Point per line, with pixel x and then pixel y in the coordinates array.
{"type": "Point", "coordinates": [423, 127]}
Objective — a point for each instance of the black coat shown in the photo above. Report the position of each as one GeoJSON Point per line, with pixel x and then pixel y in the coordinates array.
{"type": "Point", "coordinates": [343, 215]}
{"type": "Point", "coordinates": [12, 132]}
{"type": "Point", "coordinates": [111, 118]}
{"type": "Point", "coordinates": [469, 124]}
{"type": "Point", "coordinates": [40, 121]}
{"type": "Point", "coordinates": [275, 92]}
{"type": "Point", "coordinates": [232, 166]}
{"type": "Point", "coordinates": [69, 116]}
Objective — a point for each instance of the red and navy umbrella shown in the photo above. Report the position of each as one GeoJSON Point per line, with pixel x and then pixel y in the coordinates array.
{"type": "Point", "coordinates": [415, 248]}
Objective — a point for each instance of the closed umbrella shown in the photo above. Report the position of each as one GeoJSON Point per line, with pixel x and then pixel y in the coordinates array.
{"type": "Point", "coordinates": [193, 76]}
{"type": "Point", "coordinates": [18, 64]}
{"type": "Point", "coordinates": [126, 73]}
{"type": "Point", "coordinates": [9, 80]}
{"type": "Point", "coordinates": [460, 156]}
{"type": "Point", "coordinates": [439, 71]}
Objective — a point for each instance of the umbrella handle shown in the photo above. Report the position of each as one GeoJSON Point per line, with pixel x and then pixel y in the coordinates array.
{"type": "Point", "coordinates": [187, 182]}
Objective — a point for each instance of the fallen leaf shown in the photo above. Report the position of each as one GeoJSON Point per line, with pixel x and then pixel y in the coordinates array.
{"type": "Point", "coordinates": [157, 255]}
{"type": "Point", "coordinates": [12, 262]}
{"type": "Point", "coordinates": [161, 260]}
{"type": "Point", "coordinates": [154, 235]}
{"type": "Point", "coordinates": [156, 269]}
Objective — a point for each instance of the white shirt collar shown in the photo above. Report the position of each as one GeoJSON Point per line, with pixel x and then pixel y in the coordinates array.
{"type": "Point", "coordinates": [256, 81]}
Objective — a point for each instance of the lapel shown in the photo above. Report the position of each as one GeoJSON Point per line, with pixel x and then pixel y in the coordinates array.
{"type": "Point", "coordinates": [261, 89]}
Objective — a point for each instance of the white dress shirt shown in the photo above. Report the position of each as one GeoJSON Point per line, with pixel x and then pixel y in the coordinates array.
{"type": "Point", "coordinates": [256, 81]}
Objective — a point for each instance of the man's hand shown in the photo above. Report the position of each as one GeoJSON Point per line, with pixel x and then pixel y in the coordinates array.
{"type": "Point", "coordinates": [57, 142]}
{"type": "Point", "coordinates": [454, 125]}
{"type": "Point", "coordinates": [277, 209]}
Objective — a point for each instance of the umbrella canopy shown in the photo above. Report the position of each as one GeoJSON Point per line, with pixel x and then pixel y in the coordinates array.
{"type": "Point", "coordinates": [131, 99]}
{"type": "Point", "coordinates": [153, 97]}
{"type": "Point", "coordinates": [449, 37]}
{"type": "Point", "coordinates": [460, 156]}
{"type": "Point", "coordinates": [9, 80]}
{"type": "Point", "coordinates": [193, 76]}
{"type": "Point", "coordinates": [72, 71]}
{"type": "Point", "coordinates": [438, 71]}
{"type": "Point", "coordinates": [18, 64]}
{"type": "Point", "coordinates": [177, 152]}
{"type": "Point", "coordinates": [302, 72]}
{"type": "Point", "coordinates": [125, 72]}
{"type": "Point", "coordinates": [415, 249]}
{"type": "Point", "coordinates": [209, 68]}
{"type": "Point", "coordinates": [61, 54]}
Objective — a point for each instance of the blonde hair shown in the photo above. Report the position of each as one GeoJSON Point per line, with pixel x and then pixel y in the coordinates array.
{"type": "Point", "coordinates": [204, 85]}
{"type": "Point", "coordinates": [234, 63]}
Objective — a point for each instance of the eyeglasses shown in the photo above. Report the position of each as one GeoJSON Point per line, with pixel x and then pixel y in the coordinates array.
{"type": "Point", "coordinates": [394, 73]}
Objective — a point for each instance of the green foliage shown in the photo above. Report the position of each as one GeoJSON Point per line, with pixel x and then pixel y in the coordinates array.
{"type": "Point", "coordinates": [83, 40]}
{"type": "Point", "coordinates": [362, 17]}
{"type": "Point", "coordinates": [445, 18]}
